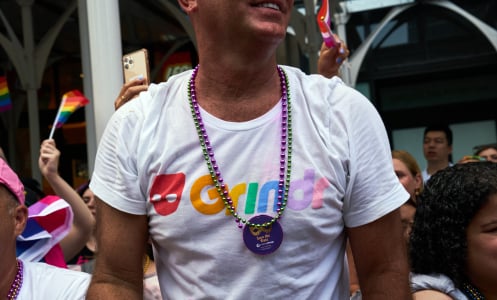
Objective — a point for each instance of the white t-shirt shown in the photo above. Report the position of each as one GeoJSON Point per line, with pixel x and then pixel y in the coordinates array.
{"type": "Point", "coordinates": [150, 162]}
{"type": "Point", "coordinates": [45, 282]}
{"type": "Point", "coordinates": [437, 282]}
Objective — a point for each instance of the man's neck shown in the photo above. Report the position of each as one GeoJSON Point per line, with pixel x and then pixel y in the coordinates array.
{"type": "Point", "coordinates": [237, 94]}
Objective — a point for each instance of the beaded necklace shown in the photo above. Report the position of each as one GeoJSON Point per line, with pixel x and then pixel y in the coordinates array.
{"type": "Point", "coordinates": [265, 223]}
{"type": "Point", "coordinates": [472, 292]}
{"type": "Point", "coordinates": [17, 283]}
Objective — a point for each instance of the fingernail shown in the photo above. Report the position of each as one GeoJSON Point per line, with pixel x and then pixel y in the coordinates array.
{"type": "Point", "coordinates": [342, 50]}
{"type": "Point", "coordinates": [139, 77]}
{"type": "Point", "coordinates": [339, 60]}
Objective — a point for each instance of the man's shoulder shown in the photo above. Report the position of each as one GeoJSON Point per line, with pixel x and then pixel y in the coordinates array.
{"type": "Point", "coordinates": [156, 96]}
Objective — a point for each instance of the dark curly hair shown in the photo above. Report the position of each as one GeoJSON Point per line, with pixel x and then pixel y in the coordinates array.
{"type": "Point", "coordinates": [446, 206]}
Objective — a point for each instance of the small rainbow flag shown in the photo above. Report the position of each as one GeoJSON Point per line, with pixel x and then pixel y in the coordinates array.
{"type": "Point", "coordinates": [5, 102]}
{"type": "Point", "coordinates": [324, 23]}
{"type": "Point", "coordinates": [71, 101]}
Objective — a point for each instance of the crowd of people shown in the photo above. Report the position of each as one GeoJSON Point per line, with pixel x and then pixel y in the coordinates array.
{"type": "Point", "coordinates": [245, 179]}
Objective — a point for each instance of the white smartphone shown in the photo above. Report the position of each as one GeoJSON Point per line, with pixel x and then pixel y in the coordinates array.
{"type": "Point", "coordinates": [135, 65]}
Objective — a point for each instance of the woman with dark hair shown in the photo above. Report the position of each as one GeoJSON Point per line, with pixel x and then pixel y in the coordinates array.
{"type": "Point", "coordinates": [453, 244]}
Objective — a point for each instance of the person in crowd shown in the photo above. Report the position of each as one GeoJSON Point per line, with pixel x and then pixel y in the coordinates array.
{"type": "Point", "coordinates": [487, 152]}
{"type": "Point", "coordinates": [409, 174]}
{"type": "Point", "coordinates": [22, 279]}
{"type": "Point", "coordinates": [84, 260]}
{"type": "Point", "coordinates": [453, 241]}
{"type": "Point", "coordinates": [238, 105]}
{"type": "Point", "coordinates": [83, 221]}
{"type": "Point", "coordinates": [481, 153]}
{"type": "Point", "coordinates": [329, 63]}
{"type": "Point", "coordinates": [437, 149]}
{"type": "Point", "coordinates": [32, 189]}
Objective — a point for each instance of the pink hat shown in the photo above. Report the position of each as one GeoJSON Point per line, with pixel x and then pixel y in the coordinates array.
{"type": "Point", "coordinates": [9, 179]}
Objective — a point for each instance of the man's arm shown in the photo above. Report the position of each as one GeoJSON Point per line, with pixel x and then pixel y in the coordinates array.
{"type": "Point", "coordinates": [380, 257]}
{"type": "Point", "coordinates": [121, 240]}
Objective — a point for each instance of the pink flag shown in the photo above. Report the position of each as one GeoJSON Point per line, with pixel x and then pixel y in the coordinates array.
{"type": "Point", "coordinates": [324, 23]}
{"type": "Point", "coordinates": [49, 221]}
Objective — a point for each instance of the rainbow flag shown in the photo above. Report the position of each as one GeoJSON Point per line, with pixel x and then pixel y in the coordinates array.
{"type": "Point", "coordinates": [324, 23]}
{"type": "Point", "coordinates": [5, 102]}
{"type": "Point", "coordinates": [71, 101]}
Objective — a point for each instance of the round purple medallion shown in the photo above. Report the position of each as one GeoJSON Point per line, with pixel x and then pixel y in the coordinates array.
{"type": "Point", "coordinates": [262, 240]}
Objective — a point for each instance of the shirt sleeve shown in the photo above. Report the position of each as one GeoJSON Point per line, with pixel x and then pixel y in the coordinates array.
{"type": "Point", "coordinates": [373, 189]}
{"type": "Point", "coordinates": [115, 178]}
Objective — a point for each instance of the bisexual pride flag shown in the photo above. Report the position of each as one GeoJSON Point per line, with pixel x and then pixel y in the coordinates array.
{"type": "Point", "coordinates": [5, 102]}
{"type": "Point", "coordinates": [71, 101]}
{"type": "Point", "coordinates": [49, 221]}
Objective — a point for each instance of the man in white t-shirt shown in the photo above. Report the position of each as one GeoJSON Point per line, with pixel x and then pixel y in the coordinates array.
{"type": "Point", "coordinates": [27, 280]}
{"type": "Point", "coordinates": [248, 176]}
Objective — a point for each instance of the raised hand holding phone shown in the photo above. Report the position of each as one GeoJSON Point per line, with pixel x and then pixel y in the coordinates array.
{"type": "Point", "coordinates": [136, 76]}
{"type": "Point", "coordinates": [135, 66]}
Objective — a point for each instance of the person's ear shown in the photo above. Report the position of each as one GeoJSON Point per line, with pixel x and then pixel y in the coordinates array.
{"type": "Point", "coordinates": [21, 217]}
{"type": "Point", "coordinates": [187, 5]}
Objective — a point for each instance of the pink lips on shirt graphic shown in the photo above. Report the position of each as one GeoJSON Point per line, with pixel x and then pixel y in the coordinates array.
{"type": "Point", "coordinates": [166, 191]}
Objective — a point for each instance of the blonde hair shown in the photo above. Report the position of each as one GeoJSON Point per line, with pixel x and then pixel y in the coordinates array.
{"type": "Point", "coordinates": [410, 162]}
